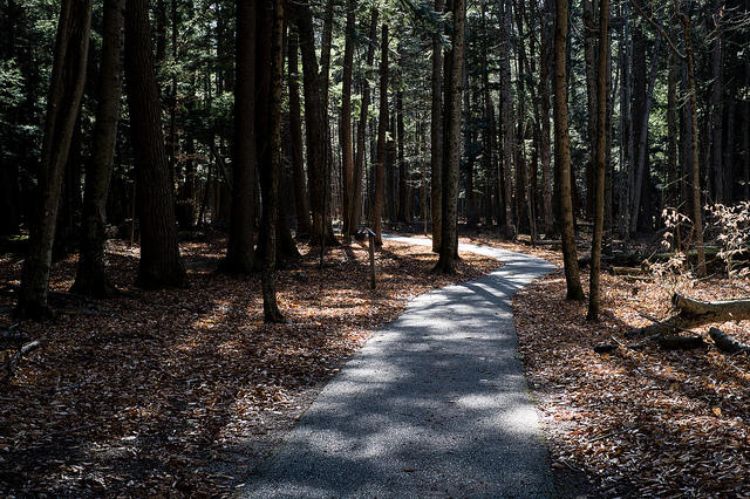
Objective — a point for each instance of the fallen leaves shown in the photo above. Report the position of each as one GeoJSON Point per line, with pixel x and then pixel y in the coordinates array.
{"type": "Point", "coordinates": [176, 392]}
{"type": "Point", "coordinates": [639, 423]}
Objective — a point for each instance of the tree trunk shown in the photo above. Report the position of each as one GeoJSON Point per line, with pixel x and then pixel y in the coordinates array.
{"type": "Point", "coordinates": [241, 250]}
{"type": "Point", "coordinates": [544, 117]}
{"type": "Point", "coordinates": [601, 161]}
{"type": "Point", "coordinates": [302, 202]}
{"type": "Point", "coordinates": [91, 276]}
{"type": "Point", "coordinates": [160, 264]}
{"type": "Point", "coordinates": [271, 169]}
{"type": "Point", "coordinates": [453, 106]}
{"type": "Point", "coordinates": [383, 124]}
{"type": "Point", "coordinates": [316, 127]}
{"type": "Point", "coordinates": [640, 179]}
{"type": "Point", "coordinates": [508, 123]}
{"type": "Point", "coordinates": [63, 105]}
{"type": "Point", "coordinates": [716, 117]}
{"type": "Point", "coordinates": [363, 121]}
{"type": "Point", "coordinates": [562, 151]}
{"type": "Point", "coordinates": [695, 170]}
{"type": "Point", "coordinates": [436, 136]}
{"type": "Point", "coordinates": [347, 148]}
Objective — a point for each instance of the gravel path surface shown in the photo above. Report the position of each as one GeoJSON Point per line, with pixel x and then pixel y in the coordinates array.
{"type": "Point", "coordinates": [434, 405]}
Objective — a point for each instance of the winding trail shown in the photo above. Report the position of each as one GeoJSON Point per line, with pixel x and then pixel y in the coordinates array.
{"type": "Point", "coordinates": [434, 405]}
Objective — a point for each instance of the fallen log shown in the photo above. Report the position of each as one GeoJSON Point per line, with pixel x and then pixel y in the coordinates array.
{"type": "Point", "coordinates": [692, 313]}
{"type": "Point", "coordinates": [674, 342]}
{"type": "Point", "coordinates": [16, 357]}
{"type": "Point", "coordinates": [726, 343]}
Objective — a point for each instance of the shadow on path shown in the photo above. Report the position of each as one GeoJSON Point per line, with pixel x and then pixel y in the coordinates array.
{"type": "Point", "coordinates": [434, 405]}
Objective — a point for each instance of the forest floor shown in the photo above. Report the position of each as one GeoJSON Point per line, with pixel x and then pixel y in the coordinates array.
{"type": "Point", "coordinates": [637, 423]}
{"type": "Point", "coordinates": [150, 393]}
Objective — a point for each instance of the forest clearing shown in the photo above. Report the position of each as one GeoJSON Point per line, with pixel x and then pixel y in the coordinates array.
{"type": "Point", "coordinates": [374, 248]}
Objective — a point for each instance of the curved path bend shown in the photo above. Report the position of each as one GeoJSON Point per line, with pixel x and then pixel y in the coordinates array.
{"type": "Point", "coordinates": [434, 405]}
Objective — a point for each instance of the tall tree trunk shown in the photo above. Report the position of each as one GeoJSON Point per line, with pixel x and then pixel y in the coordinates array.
{"type": "Point", "coordinates": [695, 171]}
{"type": "Point", "coordinates": [544, 117]}
{"type": "Point", "coordinates": [241, 250]}
{"type": "Point", "coordinates": [160, 264]}
{"type": "Point", "coordinates": [91, 276]}
{"type": "Point", "coordinates": [271, 167]}
{"type": "Point", "coordinates": [347, 147]}
{"type": "Point", "coordinates": [453, 106]}
{"type": "Point", "coordinates": [436, 135]}
{"type": "Point", "coordinates": [601, 161]}
{"type": "Point", "coordinates": [404, 192]}
{"type": "Point", "coordinates": [63, 105]}
{"type": "Point", "coordinates": [641, 180]}
{"type": "Point", "coordinates": [302, 203]}
{"type": "Point", "coordinates": [508, 123]}
{"type": "Point", "coordinates": [316, 127]}
{"type": "Point", "coordinates": [363, 122]}
{"type": "Point", "coordinates": [562, 152]}
{"type": "Point", "coordinates": [673, 173]}
{"type": "Point", "coordinates": [383, 124]}
{"type": "Point", "coordinates": [589, 31]}
{"type": "Point", "coordinates": [716, 117]}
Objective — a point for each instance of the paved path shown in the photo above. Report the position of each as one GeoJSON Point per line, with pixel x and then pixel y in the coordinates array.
{"type": "Point", "coordinates": [434, 405]}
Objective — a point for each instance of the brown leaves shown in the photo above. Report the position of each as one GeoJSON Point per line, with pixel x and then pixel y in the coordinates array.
{"type": "Point", "coordinates": [640, 423]}
{"type": "Point", "coordinates": [151, 393]}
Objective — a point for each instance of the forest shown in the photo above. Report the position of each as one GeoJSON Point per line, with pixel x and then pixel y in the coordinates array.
{"type": "Point", "coordinates": [215, 213]}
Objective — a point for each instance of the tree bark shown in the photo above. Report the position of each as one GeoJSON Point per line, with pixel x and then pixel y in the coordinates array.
{"type": "Point", "coordinates": [240, 256]}
{"type": "Point", "coordinates": [347, 147]}
{"type": "Point", "coordinates": [383, 124]}
{"type": "Point", "coordinates": [91, 276]}
{"type": "Point", "coordinates": [562, 151]}
{"type": "Point", "coordinates": [63, 105]}
{"type": "Point", "coordinates": [508, 123]}
{"type": "Point", "coordinates": [363, 121]}
{"type": "Point", "coordinates": [601, 161]}
{"type": "Point", "coordinates": [695, 170]}
{"type": "Point", "coordinates": [436, 135]}
{"type": "Point", "coordinates": [271, 168]}
{"type": "Point", "coordinates": [160, 264]}
{"type": "Point", "coordinates": [302, 202]}
{"type": "Point", "coordinates": [316, 125]}
{"type": "Point", "coordinates": [453, 106]}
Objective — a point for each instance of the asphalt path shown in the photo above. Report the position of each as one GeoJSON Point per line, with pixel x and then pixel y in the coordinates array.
{"type": "Point", "coordinates": [434, 405]}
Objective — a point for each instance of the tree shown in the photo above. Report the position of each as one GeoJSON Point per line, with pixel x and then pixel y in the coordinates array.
{"type": "Point", "coordinates": [91, 276]}
{"type": "Point", "coordinates": [240, 256]}
{"type": "Point", "coordinates": [436, 134]}
{"type": "Point", "coordinates": [601, 160]}
{"type": "Point", "coordinates": [271, 167]}
{"type": "Point", "coordinates": [63, 105]}
{"type": "Point", "coordinates": [562, 153]}
{"type": "Point", "coordinates": [383, 124]}
{"type": "Point", "coordinates": [302, 202]}
{"type": "Point", "coordinates": [347, 147]}
{"type": "Point", "coordinates": [453, 105]}
{"type": "Point", "coordinates": [160, 263]}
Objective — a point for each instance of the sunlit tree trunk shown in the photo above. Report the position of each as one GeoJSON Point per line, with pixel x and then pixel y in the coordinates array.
{"type": "Point", "coordinates": [562, 152]}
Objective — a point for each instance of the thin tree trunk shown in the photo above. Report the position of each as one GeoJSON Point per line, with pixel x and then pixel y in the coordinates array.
{"type": "Point", "coordinates": [302, 203]}
{"type": "Point", "coordinates": [544, 117]}
{"type": "Point", "coordinates": [91, 276]}
{"type": "Point", "coordinates": [383, 124]}
{"type": "Point", "coordinates": [562, 151]}
{"type": "Point", "coordinates": [695, 171]}
{"type": "Point", "coordinates": [436, 136]}
{"type": "Point", "coordinates": [508, 123]}
{"type": "Point", "coordinates": [271, 170]}
{"type": "Point", "coordinates": [601, 161]}
{"type": "Point", "coordinates": [347, 148]}
{"type": "Point", "coordinates": [63, 105]}
{"type": "Point", "coordinates": [363, 120]}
